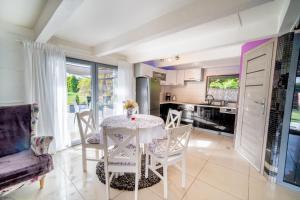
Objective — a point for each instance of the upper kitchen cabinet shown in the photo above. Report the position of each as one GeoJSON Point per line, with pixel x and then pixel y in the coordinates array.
{"type": "Point", "coordinates": [193, 74]}
{"type": "Point", "coordinates": [180, 77]}
{"type": "Point", "coordinates": [171, 78]}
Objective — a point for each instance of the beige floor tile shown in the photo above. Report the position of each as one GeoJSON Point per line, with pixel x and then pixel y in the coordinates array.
{"type": "Point", "coordinates": [57, 186]}
{"type": "Point", "coordinates": [263, 190]}
{"type": "Point", "coordinates": [201, 153]}
{"type": "Point", "coordinates": [144, 194]}
{"type": "Point", "coordinates": [175, 191]}
{"type": "Point", "coordinates": [227, 143]}
{"type": "Point", "coordinates": [230, 159]}
{"type": "Point", "coordinates": [74, 170]}
{"type": "Point", "coordinates": [202, 191]}
{"type": "Point", "coordinates": [225, 179]}
{"type": "Point", "coordinates": [194, 164]}
{"type": "Point", "coordinates": [255, 174]}
{"type": "Point", "coordinates": [93, 189]}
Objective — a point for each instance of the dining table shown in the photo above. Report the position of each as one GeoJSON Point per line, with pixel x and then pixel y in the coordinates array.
{"type": "Point", "coordinates": [150, 127]}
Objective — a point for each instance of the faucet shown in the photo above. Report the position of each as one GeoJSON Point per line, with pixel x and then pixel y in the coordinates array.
{"type": "Point", "coordinates": [209, 100]}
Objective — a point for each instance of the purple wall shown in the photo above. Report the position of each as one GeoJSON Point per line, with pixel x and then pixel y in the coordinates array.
{"type": "Point", "coordinates": [248, 46]}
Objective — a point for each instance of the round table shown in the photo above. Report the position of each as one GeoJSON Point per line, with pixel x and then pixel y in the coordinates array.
{"type": "Point", "coordinates": [150, 127]}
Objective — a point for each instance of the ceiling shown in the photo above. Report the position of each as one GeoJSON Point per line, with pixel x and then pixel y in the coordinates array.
{"type": "Point", "coordinates": [97, 21]}
{"type": "Point", "coordinates": [24, 13]}
{"type": "Point", "coordinates": [208, 33]}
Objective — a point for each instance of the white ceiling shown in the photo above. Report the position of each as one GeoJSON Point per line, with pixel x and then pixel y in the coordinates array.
{"type": "Point", "coordinates": [23, 13]}
{"type": "Point", "coordinates": [101, 20]}
{"type": "Point", "coordinates": [205, 32]}
{"type": "Point", "coordinates": [227, 31]}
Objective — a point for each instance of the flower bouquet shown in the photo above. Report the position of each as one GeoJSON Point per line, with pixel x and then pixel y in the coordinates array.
{"type": "Point", "coordinates": [130, 106]}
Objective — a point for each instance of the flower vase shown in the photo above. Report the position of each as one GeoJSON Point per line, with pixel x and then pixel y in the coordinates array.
{"type": "Point", "coordinates": [129, 112]}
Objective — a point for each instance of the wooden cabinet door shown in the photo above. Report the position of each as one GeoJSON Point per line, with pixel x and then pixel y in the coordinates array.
{"type": "Point", "coordinates": [180, 77]}
{"type": "Point", "coordinates": [171, 77]}
{"type": "Point", "coordinates": [192, 74]}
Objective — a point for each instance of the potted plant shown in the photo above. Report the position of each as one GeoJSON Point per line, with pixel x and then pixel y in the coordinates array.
{"type": "Point", "coordinates": [130, 106]}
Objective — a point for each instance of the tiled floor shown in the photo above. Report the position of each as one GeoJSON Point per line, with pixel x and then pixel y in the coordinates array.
{"type": "Point", "coordinates": [214, 172]}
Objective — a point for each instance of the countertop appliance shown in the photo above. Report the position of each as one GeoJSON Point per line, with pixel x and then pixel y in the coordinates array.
{"type": "Point", "coordinates": [168, 96]}
{"type": "Point", "coordinates": [148, 95]}
{"type": "Point", "coordinates": [173, 98]}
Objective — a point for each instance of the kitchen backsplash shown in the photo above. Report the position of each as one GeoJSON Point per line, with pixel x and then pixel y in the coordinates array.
{"type": "Point", "coordinates": [194, 92]}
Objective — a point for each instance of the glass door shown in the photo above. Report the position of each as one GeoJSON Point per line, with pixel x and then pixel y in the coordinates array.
{"type": "Point", "coordinates": [289, 163]}
{"type": "Point", "coordinates": [106, 83]}
{"type": "Point", "coordinates": [292, 162]}
{"type": "Point", "coordinates": [79, 94]}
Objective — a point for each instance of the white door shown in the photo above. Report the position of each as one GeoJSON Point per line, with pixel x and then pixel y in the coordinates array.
{"type": "Point", "coordinates": [255, 87]}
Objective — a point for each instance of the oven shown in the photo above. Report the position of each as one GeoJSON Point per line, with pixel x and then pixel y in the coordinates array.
{"type": "Point", "coordinates": [187, 116]}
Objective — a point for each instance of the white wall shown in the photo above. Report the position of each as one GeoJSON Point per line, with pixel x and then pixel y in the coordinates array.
{"type": "Point", "coordinates": [194, 92]}
{"type": "Point", "coordinates": [12, 84]}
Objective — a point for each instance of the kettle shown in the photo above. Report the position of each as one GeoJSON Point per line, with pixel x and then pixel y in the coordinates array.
{"type": "Point", "coordinates": [173, 98]}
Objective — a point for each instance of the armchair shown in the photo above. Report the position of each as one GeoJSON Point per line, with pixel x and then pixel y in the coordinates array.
{"type": "Point", "coordinates": [24, 156]}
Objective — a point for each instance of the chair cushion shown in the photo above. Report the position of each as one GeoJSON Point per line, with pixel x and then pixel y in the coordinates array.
{"type": "Point", "coordinates": [23, 166]}
{"type": "Point", "coordinates": [94, 138]}
{"type": "Point", "coordinates": [15, 129]}
{"type": "Point", "coordinates": [158, 146]}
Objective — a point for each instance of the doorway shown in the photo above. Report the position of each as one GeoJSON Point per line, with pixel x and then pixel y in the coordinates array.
{"type": "Point", "coordinates": [90, 85]}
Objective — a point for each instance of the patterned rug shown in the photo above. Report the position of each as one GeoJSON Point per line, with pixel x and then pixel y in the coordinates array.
{"type": "Point", "coordinates": [126, 182]}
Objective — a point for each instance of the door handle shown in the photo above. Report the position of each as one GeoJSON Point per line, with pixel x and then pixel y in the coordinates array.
{"type": "Point", "coordinates": [260, 103]}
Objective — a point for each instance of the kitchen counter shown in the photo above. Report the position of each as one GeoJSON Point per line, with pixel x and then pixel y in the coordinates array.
{"type": "Point", "coordinates": [197, 104]}
{"type": "Point", "coordinates": [177, 102]}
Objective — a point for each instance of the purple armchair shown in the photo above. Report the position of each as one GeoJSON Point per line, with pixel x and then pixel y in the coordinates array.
{"type": "Point", "coordinates": [24, 157]}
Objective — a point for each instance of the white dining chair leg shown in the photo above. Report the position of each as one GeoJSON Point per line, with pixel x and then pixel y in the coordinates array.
{"type": "Point", "coordinates": [84, 164]}
{"type": "Point", "coordinates": [136, 182]}
{"type": "Point", "coordinates": [107, 184]}
{"type": "Point", "coordinates": [183, 172]}
{"type": "Point", "coordinates": [147, 162]}
{"type": "Point", "coordinates": [165, 171]}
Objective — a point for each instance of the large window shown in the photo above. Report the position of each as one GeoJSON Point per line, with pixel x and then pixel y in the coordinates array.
{"type": "Point", "coordinates": [89, 86]}
{"type": "Point", "coordinates": [223, 87]}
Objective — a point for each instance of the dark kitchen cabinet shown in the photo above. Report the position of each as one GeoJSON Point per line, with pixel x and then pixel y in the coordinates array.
{"type": "Point", "coordinates": [164, 109]}
{"type": "Point", "coordinates": [211, 118]}
{"type": "Point", "coordinates": [207, 117]}
{"type": "Point", "coordinates": [227, 122]}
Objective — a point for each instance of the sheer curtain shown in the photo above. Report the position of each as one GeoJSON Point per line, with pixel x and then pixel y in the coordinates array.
{"type": "Point", "coordinates": [125, 85]}
{"type": "Point", "coordinates": [46, 85]}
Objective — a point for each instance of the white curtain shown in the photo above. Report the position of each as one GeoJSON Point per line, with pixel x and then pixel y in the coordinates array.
{"type": "Point", "coordinates": [125, 87]}
{"type": "Point", "coordinates": [46, 85]}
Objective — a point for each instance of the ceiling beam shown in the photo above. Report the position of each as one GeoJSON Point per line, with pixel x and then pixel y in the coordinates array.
{"type": "Point", "coordinates": [188, 16]}
{"type": "Point", "coordinates": [289, 16]}
{"type": "Point", "coordinates": [55, 13]}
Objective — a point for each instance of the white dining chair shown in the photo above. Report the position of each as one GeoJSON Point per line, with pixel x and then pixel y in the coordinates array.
{"type": "Point", "coordinates": [173, 118]}
{"type": "Point", "coordinates": [170, 151]}
{"type": "Point", "coordinates": [121, 155]}
{"type": "Point", "coordinates": [90, 137]}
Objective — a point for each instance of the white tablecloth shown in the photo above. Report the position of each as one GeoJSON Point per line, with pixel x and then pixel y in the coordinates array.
{"type": "Point", "coordinates": [150, 127]}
